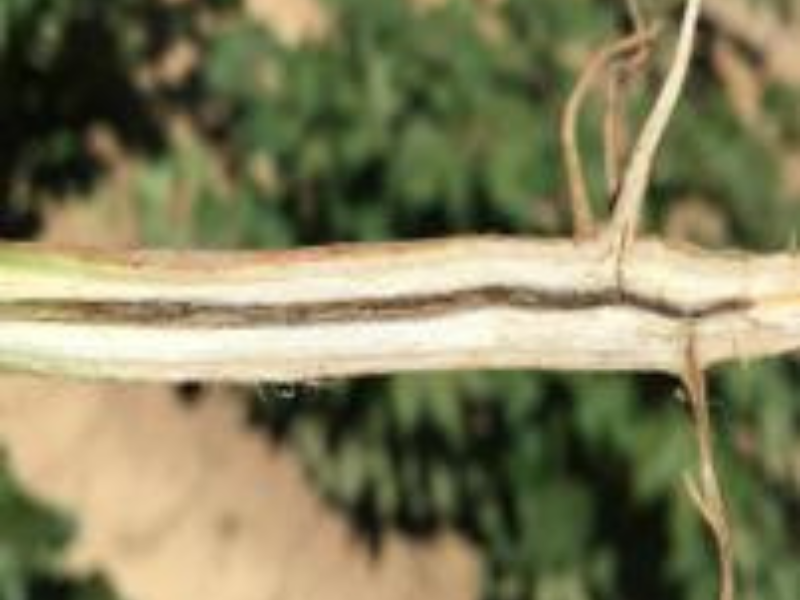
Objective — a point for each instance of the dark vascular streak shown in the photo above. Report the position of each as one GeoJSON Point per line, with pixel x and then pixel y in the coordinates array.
{"type": "Point", "coordinates": [419, 306]}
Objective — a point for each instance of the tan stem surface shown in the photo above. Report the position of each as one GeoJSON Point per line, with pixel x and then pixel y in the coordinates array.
{"type": "Point", "coordinates": [458, 303]}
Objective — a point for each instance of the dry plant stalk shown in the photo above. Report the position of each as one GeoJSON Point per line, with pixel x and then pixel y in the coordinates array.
{"type": "Point", "coordinates": [609, 301]}
{"type": "Point", "coordinates": [460, 303]}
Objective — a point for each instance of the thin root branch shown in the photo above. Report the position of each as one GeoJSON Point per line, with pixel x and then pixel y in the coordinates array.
{"type": "Point", "coordinates": [624, 222]}
{"type": "Point", "coordinates": [579, 205]}
{"type": "Point", "coordinates": [615, 134]}
{"type": "Point", "coordinates": [704, 490]}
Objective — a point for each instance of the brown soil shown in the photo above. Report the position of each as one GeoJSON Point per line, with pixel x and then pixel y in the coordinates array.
{"type": "Point", "coordinates": [185, 503]}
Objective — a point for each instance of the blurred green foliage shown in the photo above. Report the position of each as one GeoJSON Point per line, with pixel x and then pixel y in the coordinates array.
{"type": "Point", "coordinates": [402, 123]}
{"type": "Point", "coordinates": [32, 539]}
